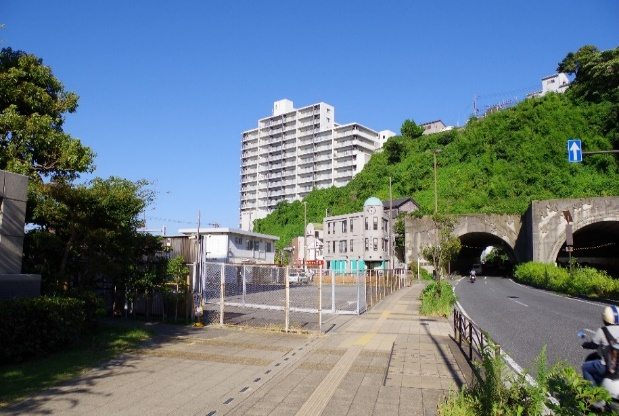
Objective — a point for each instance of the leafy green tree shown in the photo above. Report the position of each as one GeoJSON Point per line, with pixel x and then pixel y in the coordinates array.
{"type": "Point", "coordinates": [411, 130]}
{"type": "Point", "coordinates": [33, 104]}
{"type": "Point", "coordinates": [178, 271]}
{"type": "Point", "coordinates": [446, 248]}
{"type": "Point", "coordinates": [596, 74]}
{"type": "Point", "coordinates": [86, 230]}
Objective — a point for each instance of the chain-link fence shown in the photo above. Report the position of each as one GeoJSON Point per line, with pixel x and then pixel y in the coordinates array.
{"type": "Point", "coordinates": [289, 298]}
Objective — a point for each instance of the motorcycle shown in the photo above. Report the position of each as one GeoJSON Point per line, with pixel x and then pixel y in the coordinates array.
{"type": "Point", "coordinates": [612, 386]}
{"type": "Point", "coordinates": [472, 278]}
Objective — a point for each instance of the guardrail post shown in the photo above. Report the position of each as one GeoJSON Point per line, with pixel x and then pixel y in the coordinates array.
{"type": "Point", "coordinates": [455, 320]}
{"type": "Point", "coordinates": [471, 341]}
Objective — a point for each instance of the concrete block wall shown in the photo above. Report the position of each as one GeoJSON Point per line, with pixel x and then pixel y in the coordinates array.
{"type": "Point", "coordinates": [13, 196]}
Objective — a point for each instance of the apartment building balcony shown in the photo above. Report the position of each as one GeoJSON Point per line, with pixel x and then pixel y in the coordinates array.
{"type": "Point", "coordinates": [305, 179]}
{"type": "Point", "coordinates": [248, 171]}
{"type": "Point", "coordinates": [248, 178]}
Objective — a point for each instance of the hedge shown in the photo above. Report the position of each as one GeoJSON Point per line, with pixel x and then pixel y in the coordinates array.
{"type": "Point", "coordinates": [36, 326]}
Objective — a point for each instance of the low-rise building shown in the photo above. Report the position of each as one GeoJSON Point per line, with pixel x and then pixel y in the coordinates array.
{"type": "Point", "coordinates": [358, 241]}
{"type": "Point", "coordinates": [230, 245]}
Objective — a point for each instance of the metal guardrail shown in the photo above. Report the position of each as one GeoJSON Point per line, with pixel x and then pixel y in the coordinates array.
{"type": "Point", "coordinates": [477, 339]}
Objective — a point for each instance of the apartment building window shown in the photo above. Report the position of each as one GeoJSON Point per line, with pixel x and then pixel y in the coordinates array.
{"type": "Point", "coordinates": [375, 223]}
{"type": "Point", "coordinates": [333, 246]}
{"type": "Point", "coordinates": [375, 243]}
{"type": "Point", "coordinates": [367, 244]}
{"type": "Point", "coordinates": [344, 226]}
{"type": "Point", "coordinates": [328, 228]}
{"type": "Point", "coordinates": [351, 249]}
{"type": "Point", "coordinates": [343, 246]}
{"type": "Point", "coordinates": [385, 225]}
{"type": "Point", "coordinates": [328, 248]}
{"type": "Point", "coordinates": [367, 224]}
{"type": "Point", "coordinates": [351, 225]}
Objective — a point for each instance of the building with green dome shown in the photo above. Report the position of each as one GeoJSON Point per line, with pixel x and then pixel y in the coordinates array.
{"type": "Point", "coordinates": [358, 241]}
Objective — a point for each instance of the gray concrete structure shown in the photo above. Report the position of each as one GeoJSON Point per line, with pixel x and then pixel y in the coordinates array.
{"type": "Point", "coordinates": [13, 196]}
{"type": "Point", "coordinates": [538, 235]}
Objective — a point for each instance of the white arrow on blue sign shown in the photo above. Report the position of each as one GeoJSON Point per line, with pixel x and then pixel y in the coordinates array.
{"type": "Point", "coordinates": [574, 150]}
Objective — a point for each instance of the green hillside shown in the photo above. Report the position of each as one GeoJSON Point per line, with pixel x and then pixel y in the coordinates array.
{"type": "Point", "coordinates": [497, 164]}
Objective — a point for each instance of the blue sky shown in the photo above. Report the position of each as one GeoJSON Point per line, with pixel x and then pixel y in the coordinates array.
{"type": "Point", "coordinates": [167, 87]}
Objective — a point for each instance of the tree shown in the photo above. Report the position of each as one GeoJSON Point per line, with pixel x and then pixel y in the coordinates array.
{"type": "Point", "coordinates": [596, 74]}
{"type": "Point", "coordinates": [411, 130]}
{"type": "Point", "coordinates": [85, 231]}
{"type": "Point", "coordinates": [33, 104]}
{"type": "Point", "coordinates": [178, 270]}
{"type": "Point", "coordinates": [394, 149]}
{"type": "Point", "coordinates": [447, 247]}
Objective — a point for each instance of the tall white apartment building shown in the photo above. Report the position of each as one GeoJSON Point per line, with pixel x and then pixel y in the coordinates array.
{"type": "Point", "coordinates": [295, 151]}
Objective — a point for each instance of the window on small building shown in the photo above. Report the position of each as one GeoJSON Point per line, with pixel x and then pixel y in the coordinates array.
{"type": "Point", "coordinates": [269, 249]}
{"type": "Point", "coordinates": [249, 244]}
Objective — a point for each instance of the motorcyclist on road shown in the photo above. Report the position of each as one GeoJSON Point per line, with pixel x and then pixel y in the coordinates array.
{"type": "Point", "coordinates": [473, 273]}
{"type": "Point", "coordinates": [595, 370]}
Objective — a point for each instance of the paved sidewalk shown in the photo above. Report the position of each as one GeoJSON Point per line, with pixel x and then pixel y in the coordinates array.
{"type": "Point", "coordinates": [387, 361]}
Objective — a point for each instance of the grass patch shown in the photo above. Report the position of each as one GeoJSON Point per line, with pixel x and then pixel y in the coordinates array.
{"type": "Point", "coordinates": [107, 341]}
{"type": "Point", "coordinates": [435, 302]}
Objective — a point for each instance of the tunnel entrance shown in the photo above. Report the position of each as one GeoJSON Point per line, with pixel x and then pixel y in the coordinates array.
{"type": "Point", "coordinates": [498, 257]}
{"type": "Point", "coordinates": [595, 245]}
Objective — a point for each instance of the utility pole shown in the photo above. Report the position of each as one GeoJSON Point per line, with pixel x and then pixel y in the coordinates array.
{"type": "Point", "coordinates": [390, 226]}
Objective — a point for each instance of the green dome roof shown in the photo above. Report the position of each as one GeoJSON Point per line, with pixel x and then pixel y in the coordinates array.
{"type": "Point", "coordinates": [373, 201]}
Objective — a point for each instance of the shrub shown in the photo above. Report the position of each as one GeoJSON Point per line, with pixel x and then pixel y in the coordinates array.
{"type": "Point", "coordinates": [562, 390]}
{"type": "Point", "coordinates": [37, 326]}
{"type": "Point", "coordinates": [585, 281]}
{"type": "Point", "coordinates": [433, 304]}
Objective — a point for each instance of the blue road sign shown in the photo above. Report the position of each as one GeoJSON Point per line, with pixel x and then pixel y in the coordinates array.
{"type": "Point", "coordinates": [574, 150]}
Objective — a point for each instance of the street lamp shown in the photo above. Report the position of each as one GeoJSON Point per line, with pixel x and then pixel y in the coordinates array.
{"type": "Point", "coordinates": [435, 186]}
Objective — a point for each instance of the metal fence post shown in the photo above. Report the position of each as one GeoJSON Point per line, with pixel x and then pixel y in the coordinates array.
{"type": "Point", "coordinates": [332, 291]}
{"type": "Point", "coordinates": [320, 300]}
{"type": "Point", "coordinates": [222, 294]}
{"type": "Point", "coordinates": [287, 302]}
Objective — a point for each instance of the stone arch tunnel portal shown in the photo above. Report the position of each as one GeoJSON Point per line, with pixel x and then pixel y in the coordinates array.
{"type": "Point", "coordinates": [473, 246]}
{"type": "Point", "coordinates": [595, 245]}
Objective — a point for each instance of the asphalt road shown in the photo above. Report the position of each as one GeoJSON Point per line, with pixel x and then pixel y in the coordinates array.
{"type": "Point", "coordinates": [523, 319]}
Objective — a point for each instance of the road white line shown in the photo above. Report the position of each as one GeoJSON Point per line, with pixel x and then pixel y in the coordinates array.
{"type": "Point", "coordinates": [520, 303]}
